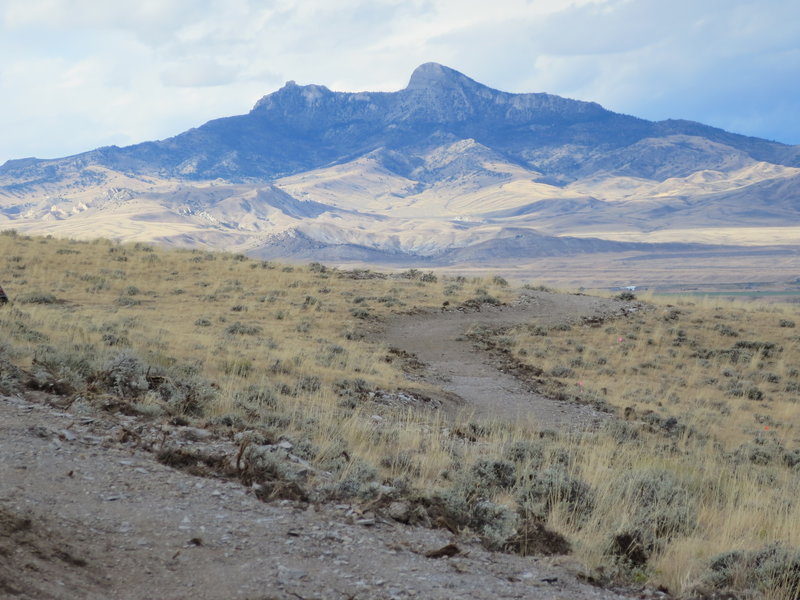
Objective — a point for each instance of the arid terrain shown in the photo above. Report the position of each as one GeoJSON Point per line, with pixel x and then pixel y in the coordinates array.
{"type": "Point", "coordinates": [181, 423]}
{"type": "Point", "coordinates": [87, 512]}
{"type": "Point", "coordinates": [446, 173]}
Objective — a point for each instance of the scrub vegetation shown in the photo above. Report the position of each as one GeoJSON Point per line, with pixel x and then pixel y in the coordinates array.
{"type": "Point", "coordinates": [693, 485]}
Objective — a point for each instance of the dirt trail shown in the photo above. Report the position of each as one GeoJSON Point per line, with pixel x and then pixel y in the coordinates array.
{"type": "Point", "coordinates": [86, 511]}
{"type": "Point", "coordinates": [454, 364]}
{"type": "Point", "coordinates": [86, 515]}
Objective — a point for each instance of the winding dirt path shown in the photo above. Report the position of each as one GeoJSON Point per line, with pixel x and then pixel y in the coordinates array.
{"type": "Point", "coordinates": [86, 511]}
{"type": "Point", "coordinates": [472, 380]}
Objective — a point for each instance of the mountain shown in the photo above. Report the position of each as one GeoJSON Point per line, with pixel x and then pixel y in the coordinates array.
{"type": "Point", "coordinates": [444, 170]}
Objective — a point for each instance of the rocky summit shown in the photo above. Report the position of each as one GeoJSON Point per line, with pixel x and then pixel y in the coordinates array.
{"type": "Point", "coordinates": [444, 169]}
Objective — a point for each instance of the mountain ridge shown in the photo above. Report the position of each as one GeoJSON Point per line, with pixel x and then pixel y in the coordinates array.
{"type": "Point", "coordinates": [313, 126]}
{"type": "Point", "coordinates": [445, 167]}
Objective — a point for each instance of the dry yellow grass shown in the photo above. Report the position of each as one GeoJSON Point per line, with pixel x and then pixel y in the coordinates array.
{"type": "Point", "coordinates": [730, 370]}
{"type": "Point", "coordinates": [278, 344]}
{"type": "Point", "coordinates": [712, 392]}
{"type": "Point", "coordinates": [281, 349]}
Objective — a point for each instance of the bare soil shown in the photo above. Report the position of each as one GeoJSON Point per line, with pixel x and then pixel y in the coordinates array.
{"type": "Point", "coordinates": [481, 384]}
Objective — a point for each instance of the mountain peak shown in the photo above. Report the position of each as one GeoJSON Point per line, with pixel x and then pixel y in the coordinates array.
{"type": "Point", "coordinates": [291, 93]}
{"type": "Point", "coordinates": [433, 74]}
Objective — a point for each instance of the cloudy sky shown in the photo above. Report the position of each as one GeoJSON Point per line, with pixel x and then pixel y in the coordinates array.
{"type": "Point", "coordinates": [78, 74]}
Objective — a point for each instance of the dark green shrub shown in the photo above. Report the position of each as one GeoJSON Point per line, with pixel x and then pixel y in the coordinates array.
{"type": "Point", "coordinates": [766, 348]}
{"type": "Point", "coordinates": [112, 339]}
{"type": "Point", "coordinates": [758, 452]}
{"type": "Point", "coordinates": [754, 393]}
{"type": "Point", "coordinates": [726, 330]}
{"type": "Point", "coordinates": [791, 458]}
{"type": "Point", "coordinates": [429, 277]}
{"type": "Point", "coordinates": [410, 274]}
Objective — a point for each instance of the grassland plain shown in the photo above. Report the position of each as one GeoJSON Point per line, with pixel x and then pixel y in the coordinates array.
{"type": "Point", "coordinates": [693, 488]}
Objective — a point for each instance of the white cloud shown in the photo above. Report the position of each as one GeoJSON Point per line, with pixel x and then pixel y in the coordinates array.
{"type": "Point", "coordinates": [79, 73]}
{"type": "Point", "coordinates": [198, 73]}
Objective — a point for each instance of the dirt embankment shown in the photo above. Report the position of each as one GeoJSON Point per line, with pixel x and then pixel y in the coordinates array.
{"type": "Point", "coordinates": [85, 514]}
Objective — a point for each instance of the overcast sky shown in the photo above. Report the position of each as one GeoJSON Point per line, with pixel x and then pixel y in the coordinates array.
{"type": "Point", "coordinates": [78, 74]}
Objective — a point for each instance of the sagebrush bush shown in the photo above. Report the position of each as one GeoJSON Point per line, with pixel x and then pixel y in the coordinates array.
{"type": "Point", "coordinates": [37, 298]}
{"type": "Point", "coordinates": [468, 501]}
{"type": "Point", "coordinates": [658, 506]}
{"type": "Point", "coordinates": [124, 376]}
{"type": "Point", "coordinates": [487, 476]}
{"type": "Point", "coordinates": [529, 452]}
{"type": "Point", "coordinates": [11, 376]}
{"type": "Point", "coordinates": [772, 569]}
{"type": "Point", "coordinates": [554, 486]}
{"type": "Point", "coordinates": [238, 328]}
{"type": "Point", "coordinates": [65, 371]}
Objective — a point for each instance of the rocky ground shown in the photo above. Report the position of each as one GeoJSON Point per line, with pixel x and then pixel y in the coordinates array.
{"type": "Point", "coordinates": [84, 513]}
{"type": "Point", "coordinates": [89, 509]}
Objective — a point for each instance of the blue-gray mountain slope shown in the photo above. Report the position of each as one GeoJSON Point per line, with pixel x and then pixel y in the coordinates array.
{"type": "Point", "coordinates": [298, 128]}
